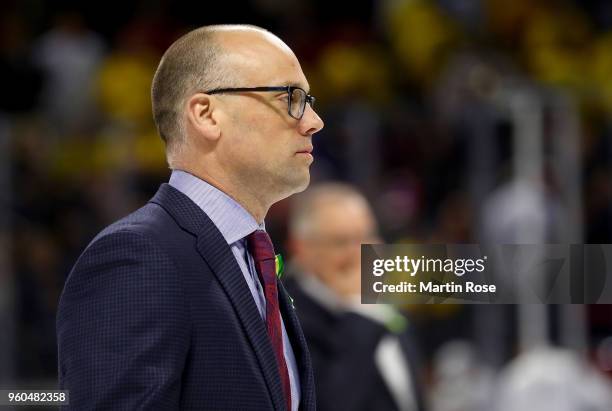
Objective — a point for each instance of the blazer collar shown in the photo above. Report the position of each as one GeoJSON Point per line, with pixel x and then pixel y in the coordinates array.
{"type": "Point", "coordinates": [216, 252]}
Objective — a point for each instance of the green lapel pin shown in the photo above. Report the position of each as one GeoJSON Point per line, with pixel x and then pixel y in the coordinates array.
{"type": "Point", "coordinates": [280, 266]}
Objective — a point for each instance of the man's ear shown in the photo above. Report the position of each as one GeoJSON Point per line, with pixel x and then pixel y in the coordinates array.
{"type": "Point", "coordinates": [202, 117]}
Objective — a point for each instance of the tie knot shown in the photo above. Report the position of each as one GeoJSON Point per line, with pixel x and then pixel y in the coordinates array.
{"type": "Point", "coordinates": [260, 246]}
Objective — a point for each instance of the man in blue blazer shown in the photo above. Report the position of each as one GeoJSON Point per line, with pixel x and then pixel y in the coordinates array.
{"type": "Point", "coordinates": [177, 306]}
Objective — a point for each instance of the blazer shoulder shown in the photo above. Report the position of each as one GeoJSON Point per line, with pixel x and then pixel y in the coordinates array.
{"type": "Point", "coordinates": [150, 221]}
{"type": "Point", "coordinates": [138, 241]}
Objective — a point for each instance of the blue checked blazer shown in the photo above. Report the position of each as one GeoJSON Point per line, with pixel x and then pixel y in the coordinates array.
{"type": "Point", "coordinates": [156, 315]}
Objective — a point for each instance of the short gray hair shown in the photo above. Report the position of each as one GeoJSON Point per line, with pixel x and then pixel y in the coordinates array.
{"type": "Point", "coordinates": [305, 205]}
{"type": "Point", "coordinates": [192, 64]}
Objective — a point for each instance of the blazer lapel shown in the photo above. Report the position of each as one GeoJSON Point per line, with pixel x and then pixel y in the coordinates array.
{"type": "Point", "coordinates": [216, 252]}
{"type": "Point", "coordinates": [300, 349]}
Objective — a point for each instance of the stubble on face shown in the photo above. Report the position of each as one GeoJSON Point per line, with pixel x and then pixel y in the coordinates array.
{"type": "Point", "coordinates": [262, 141]}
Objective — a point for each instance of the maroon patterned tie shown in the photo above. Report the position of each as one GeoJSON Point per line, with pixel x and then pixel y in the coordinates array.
{"type": "Point", "coordinates": [260, 247]}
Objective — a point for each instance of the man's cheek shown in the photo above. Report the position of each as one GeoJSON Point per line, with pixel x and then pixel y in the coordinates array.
{"type": "Point", "coordinates": [342, 265]}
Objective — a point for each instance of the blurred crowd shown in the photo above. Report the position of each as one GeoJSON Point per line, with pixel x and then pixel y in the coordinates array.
{"type": "Point", "coordinates": [459, 120]}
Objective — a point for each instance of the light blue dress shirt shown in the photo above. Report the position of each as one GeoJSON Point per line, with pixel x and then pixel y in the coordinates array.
{"type": "Point", "coordinates": [235, 223]}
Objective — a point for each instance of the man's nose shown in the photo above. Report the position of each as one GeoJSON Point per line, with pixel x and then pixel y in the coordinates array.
{"type": "Point", "coordinates": [310, 122]}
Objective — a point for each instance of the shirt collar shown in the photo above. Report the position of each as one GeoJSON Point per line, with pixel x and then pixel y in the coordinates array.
{"type": "Point", "coordinates": [233, 221]}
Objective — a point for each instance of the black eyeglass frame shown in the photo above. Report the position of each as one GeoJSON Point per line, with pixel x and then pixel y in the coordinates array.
{"type": "Point", "coordinates": [288, 89]}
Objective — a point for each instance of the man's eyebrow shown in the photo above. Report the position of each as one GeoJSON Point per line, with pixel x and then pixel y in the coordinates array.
{"type": "Point", "coordinates": [294, 84]}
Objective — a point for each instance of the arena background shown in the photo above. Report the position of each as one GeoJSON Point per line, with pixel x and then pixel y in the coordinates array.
{"type": "Point", "coordinates": [462, 121]}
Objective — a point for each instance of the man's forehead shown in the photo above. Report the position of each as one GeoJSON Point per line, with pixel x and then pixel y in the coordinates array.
{"type": "Point", "coordinates": [336, 208]}
{"type": "Point", "coordinates": [261, 59]}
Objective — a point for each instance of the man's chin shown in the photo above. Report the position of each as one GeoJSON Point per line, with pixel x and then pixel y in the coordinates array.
{"type": "Point", "coordinates": [300, 182]}
{"type": "Point", "coordinates": [293, 183]}
{"type": "Point", "coordinates": [304, 184]}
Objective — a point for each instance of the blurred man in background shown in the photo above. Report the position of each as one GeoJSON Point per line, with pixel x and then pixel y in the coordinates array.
{"type": "Point", "coordinates": [363, 356]}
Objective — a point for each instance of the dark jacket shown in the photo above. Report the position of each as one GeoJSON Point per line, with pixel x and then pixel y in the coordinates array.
{"type": "Point", "coordinates": [343, 346]}
{"type": "Point", "coordinates": [156, 315]}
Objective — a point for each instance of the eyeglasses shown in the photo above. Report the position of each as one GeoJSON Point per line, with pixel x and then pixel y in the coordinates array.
{"type": "Point", "coordinates": [296, 103]}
